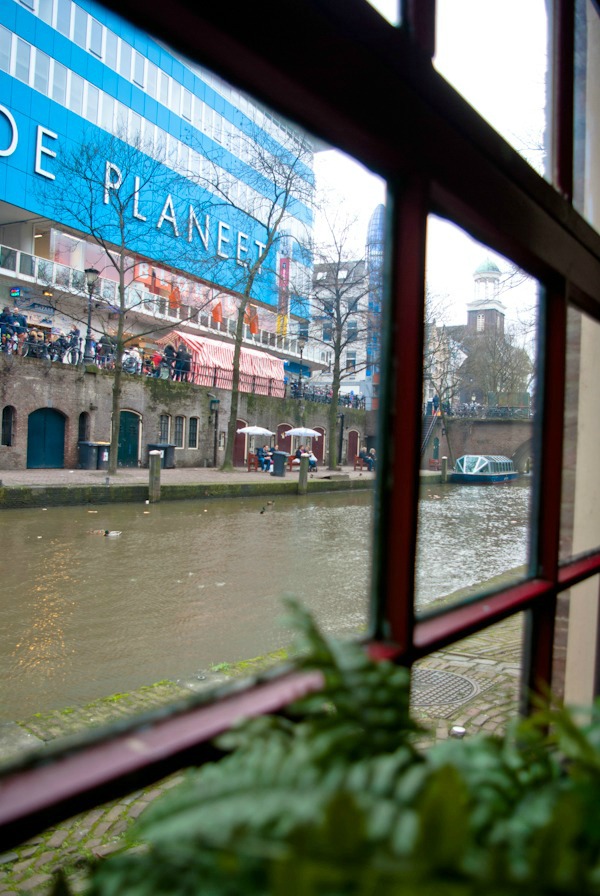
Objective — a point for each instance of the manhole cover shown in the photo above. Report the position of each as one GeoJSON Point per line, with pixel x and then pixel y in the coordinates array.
{"type": "Point", "coordinates": [430, 686]}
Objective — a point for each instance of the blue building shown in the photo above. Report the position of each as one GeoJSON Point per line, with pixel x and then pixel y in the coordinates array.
{"type": "Point", "coordinates": [75, 75]}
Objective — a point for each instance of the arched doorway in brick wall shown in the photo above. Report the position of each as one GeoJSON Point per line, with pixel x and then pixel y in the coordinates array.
{"type": "Point", "coordinates": [46, 439]}
{"type": "Point", "coordinates": [239, 445]}
{"type": "Point", "coordinates": [318, 445]}
{"type": "Point", "coordinates": [353, 445]}
{"type": "Point", "coordinates": [285, 443]}
{"type": "Point", "coordinates": [128, 454]}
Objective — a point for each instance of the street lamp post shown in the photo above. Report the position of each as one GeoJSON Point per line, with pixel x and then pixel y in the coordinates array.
{"type": "Point", "coordinates": [91, 278]}
{"type": "Point", "coordinates": [301, 346]}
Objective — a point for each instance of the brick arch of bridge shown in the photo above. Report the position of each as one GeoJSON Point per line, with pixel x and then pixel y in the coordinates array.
{"type": "Point", "coordinates": [523, 455]}
{"type": "Point", "coordinates": [472, 435]}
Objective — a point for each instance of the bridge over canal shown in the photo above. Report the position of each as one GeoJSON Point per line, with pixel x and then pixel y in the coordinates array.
{"type": "Point", "coordinates": [512, 437]}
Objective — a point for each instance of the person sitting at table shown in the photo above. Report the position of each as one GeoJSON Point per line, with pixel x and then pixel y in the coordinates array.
{"type": "Point", "coordinates": [373, 457]}
{"type": "Point", "coordinates": [366, 458]}
{"type": "Point", "coordinates": [262, 455]}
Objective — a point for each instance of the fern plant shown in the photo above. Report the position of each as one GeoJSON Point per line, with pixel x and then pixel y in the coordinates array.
{"type": "Point", "coordinates": [335, 798]}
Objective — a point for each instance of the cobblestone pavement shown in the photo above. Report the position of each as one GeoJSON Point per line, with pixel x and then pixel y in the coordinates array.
{"type": "Point", "coordinates": [474, 684]}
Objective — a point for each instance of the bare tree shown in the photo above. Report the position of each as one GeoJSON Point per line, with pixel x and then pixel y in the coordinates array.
{"type": "Point", "coordinates": [264, 192]}
{"type": "Point", "coordinates": [443, 358]}
{"type": "Point", "coordinates": [496, 364]}
{"type": "Point", "coordinates": [339, 318]}
{"type": "Point", "coordinates": [98, 190]}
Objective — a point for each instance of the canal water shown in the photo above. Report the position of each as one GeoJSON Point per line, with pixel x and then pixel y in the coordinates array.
{"type": "Point", "coordinates": [188, 585]}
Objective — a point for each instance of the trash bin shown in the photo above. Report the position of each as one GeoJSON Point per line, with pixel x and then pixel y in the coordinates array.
{"type": "Point", "coordinates": [279, 462]}
{"type": "Point", "coordinates": [88, 455]}
{"type": "Point", "coordinates": [167, 460]}
{"type": "Point", "coordinates": [103, 450]}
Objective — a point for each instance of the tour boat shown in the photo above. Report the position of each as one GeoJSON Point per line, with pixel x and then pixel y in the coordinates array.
{"type": "Point", "coordinates": [480, 468]}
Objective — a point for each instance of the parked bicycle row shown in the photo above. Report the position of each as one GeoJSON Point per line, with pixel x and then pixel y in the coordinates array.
{"type": "Point", "coordinates": [324, 395]}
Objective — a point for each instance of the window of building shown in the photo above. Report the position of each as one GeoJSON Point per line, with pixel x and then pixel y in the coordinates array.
{"type": "Point", "coordinates": [92, 101]}
{"type": "Point", "coordinates": [45, 8]}
{"type": "Point", "coordinates": [63, 17]}
{"type": "Point", "coordinates": [163, 87]}
{"type": "Point", "coordinates": [193, 432]}
{"type": "Point", "coordinates": [111, 50]}
{"type": "Point", "coordinates": [478, 193]}
{"type": "Point", "coordinates": [41, 77]}
{"type": "Point", "coordinates": [59, 83]}
{"type": "Point", "coordinates": [480, 323]}
{"type": "Point", "coordinates": [83, 434]}
{"type": "Point", "coordinates": [5, 48]}
{"type": "Point", "coordinates": [139, 69]}
{"type": "Point", "coordinates": [27, 3]}
{"type": "Point", "coordinates": [76, 93]}
{"type": "Point", "coordinates": [352, 331]}
{"type": "Point", "coordinates": [96, 32]}
{"type": "Point", "coordinates": [151, 79]}
{"type": "Point", "coordinates": [8, 422]}
{"type": "Point", "coordinates": [350, 362]}
{"type": "Point", "coordinates": [125, 59]}
{"type": "Point", "coordinates": [108, 112]}
{"type": "Point", "coordinates": [164, 428]}
{"type": "Point", "coordinates": [80, 26]}
{"type": "Point", "coordinates": [175, 96]}
{"type": "Point", "coordinates": [186, 105]}
{"type": "Point", "coordinates": [23, 60]}
{"type": "Point", "coordinates": [179, 431]}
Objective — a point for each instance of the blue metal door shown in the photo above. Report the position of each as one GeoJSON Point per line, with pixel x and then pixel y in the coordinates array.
{"type": "Point", "coordinates": [46, 439]}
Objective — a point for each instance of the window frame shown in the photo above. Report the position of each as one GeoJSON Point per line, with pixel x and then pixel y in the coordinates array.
{"type": "Point", "coordinates": [445, 158]}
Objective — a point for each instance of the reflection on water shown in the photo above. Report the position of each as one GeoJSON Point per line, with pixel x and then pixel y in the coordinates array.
{"type": "Point", "coordinates": [468, 535]}
{"type": "Point", "coordinates": [186, 585]}
{"type": "Point", "coordinates": [191, 584]}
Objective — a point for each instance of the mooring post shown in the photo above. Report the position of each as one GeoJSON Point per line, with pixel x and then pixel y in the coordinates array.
{"type": "Point", "coordinates": [303, 476]}
{"type": "Point", "coordinates": [154, 459]}
{"type": "Point", "coordinates": [444, 469]}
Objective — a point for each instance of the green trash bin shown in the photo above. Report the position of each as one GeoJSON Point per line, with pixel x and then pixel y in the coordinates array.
{"type": "Point", "coordinates": [167, 450]}
{"type": "Point", "coordinates": [88, 455]}
{"type": "Point", "coordinates": [279, 462]}
{"type": "Point", "coordinates": [103, 454]}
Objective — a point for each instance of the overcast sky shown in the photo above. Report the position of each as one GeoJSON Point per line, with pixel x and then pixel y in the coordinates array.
{"type": "Point", "coordinates": [494, 54]}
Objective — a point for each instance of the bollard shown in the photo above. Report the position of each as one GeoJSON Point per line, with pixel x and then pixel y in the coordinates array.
{"type": "Point", "coordinates": [444, 469]}
{"type": "Point", "coordinates": [303, 476]}
{"type": "Point", "coordinates": [154, 460]}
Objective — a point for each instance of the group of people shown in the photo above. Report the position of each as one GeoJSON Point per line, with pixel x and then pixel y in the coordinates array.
{"type": "Point", "coordinates": [303, 451]}
{"type": "Point", "coordinates": [265, 457]}
{"type": "Point", "coordinates": [368, 457]}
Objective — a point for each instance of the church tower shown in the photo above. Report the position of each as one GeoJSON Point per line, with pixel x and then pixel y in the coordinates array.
{"type": "Point", "coordinates": [485, 314]}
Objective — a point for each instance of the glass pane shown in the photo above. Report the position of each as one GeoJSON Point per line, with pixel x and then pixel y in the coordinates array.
{"type": "Point", "coordinates": [496, 56]}
{"type": "Point", "coordinates": [389, 9]}
{"type": "Point", "coordinates": [580, 505]}
{"type": "Point", "coordinates": [586, 181]}
{"type": "Point", "coordinates": [303, 296]}
{"type": "Point", "coordinates": [478, 419]}
{"type": "Point", "coordinates": [471, 687]}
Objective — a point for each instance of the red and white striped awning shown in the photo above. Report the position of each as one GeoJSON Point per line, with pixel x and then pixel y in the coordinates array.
{"type": "Point", "coordinates": [260, 372]}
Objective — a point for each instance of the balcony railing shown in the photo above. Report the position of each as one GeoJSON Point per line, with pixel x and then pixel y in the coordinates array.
{"type": "Point", "coordinates": [54, 276]}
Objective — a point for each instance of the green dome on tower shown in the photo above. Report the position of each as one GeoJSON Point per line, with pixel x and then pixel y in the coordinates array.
{"type": "Point", "coordinates": [488, 267]}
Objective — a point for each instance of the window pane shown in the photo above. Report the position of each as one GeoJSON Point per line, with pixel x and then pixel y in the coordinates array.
{"type": "Point", "coordinates": [59, 84]}
{"type": "Point", "coordinates": [45, 11]}
{"type": "Point", "coordinates": [76, 94]}
{"type": "Point", "coordinates": [23, 61]}
{"type": "Point", "coordinates": [478, 404]}
{"type": "Point", "coordinates": [63, 17]}
{"type": "Point", "coordinates": [125, 60]}
{"type": "Point", "coordinates": [5, 45]}
{"type": "Point", "coordinates": [80, 27]}
{"type": "Point", "coordinates": [92, 103]}
{"type": "Point", "coordinates": [586, 179]}
{"type": "Point", "coordinates": [111, 50]}
{"type": "Point", "coordinates": [96, 38]}
{"type": "Point", "coordinates": [580, 505]}
{"type": "Point", "coordinates": [138, 69]}
{"type": "Point", "coordinates": [42, 72]}
{"type": "Point", "coordinates": [507, 87]}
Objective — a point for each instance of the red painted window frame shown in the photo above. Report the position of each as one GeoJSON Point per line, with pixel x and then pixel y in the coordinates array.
{"type": "Point", "coordinates": [360, 84]}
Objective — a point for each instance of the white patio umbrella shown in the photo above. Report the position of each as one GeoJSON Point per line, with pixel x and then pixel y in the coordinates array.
{"type": "Point", "coordinates": [255, 431]}
{"type": "Point", "coordinates": [304, 432]}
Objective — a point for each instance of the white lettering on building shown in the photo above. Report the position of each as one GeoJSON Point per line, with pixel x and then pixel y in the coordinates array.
{"type": "Point", "coordinates": [193, 223]}
{"type": "Point", "coordinates": [14, 132]}
{"type": "Point", "coordinates": [136, 201]}
{"type": "Point", "coordinates": [221, 239]}
{"type": "Point", "coordinates": [168, 214]}
{"type": "Point", "coordinates": [109, 183]}
{"type": "Point", "coordinates": [40, 150]}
